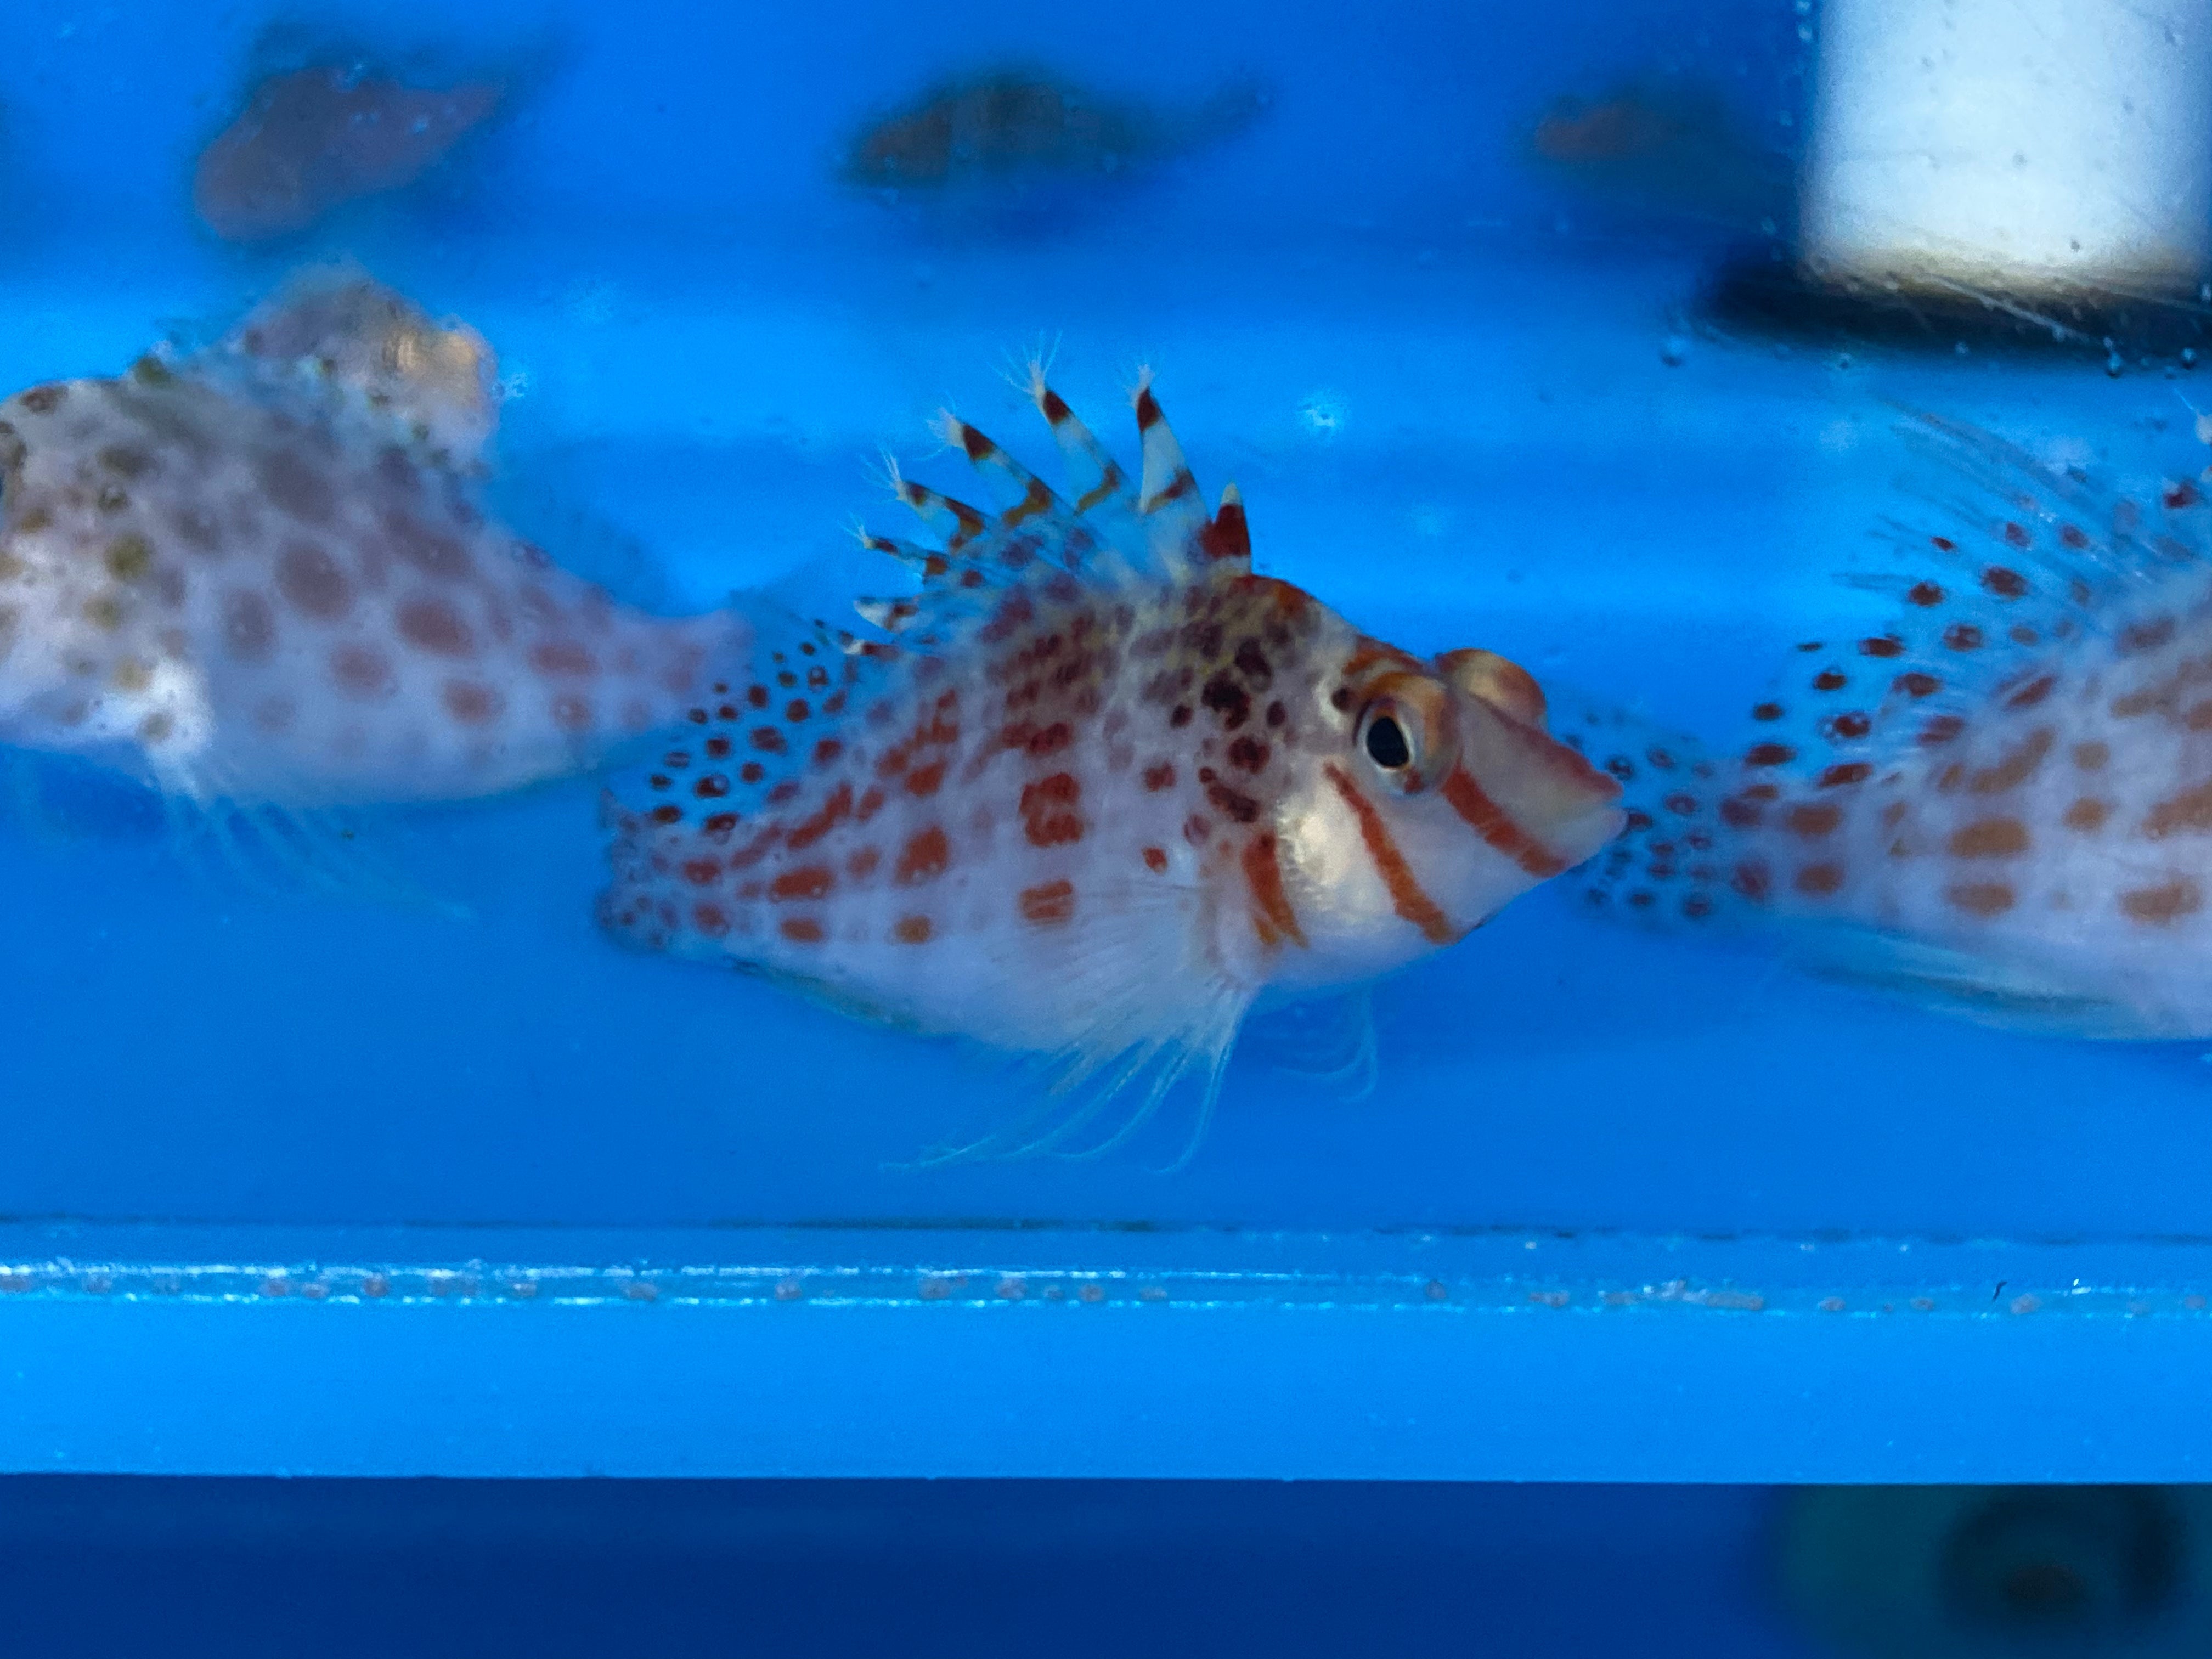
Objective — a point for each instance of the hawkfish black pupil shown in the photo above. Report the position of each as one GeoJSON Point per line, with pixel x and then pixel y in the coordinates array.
{"type": "Point", "coordinates": [1386, 743]}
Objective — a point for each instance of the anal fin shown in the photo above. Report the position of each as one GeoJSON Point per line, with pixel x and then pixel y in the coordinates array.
{"type": "Point", "coordinates": [2032, 1000]}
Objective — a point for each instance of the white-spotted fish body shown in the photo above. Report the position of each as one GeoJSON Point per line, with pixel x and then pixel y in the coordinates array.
{"type": "Point", "coordinates": [1101, 788]}
{"type": "Point", "coordinates": [2001, 804]}
{"type": "Point", "coordinates": [259, 573]}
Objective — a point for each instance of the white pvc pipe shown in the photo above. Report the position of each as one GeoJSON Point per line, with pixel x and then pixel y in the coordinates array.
{"type": "Point", "coordinates": [2028, 147]}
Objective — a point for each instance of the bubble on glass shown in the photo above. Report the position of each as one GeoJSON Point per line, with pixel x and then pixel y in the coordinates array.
{"type": "Point", "coordinates": [1323, 415]}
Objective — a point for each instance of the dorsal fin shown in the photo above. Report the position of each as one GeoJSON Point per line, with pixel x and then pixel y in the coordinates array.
{"type": "Point", "coordinates": [2026, 559]}
{"type": "Point", "coordinates": [1095, 477]}
{"type": "Point", "coordinates": [1026, 495]}
{"type": "Point", "coordinates": [1167, 491]}
{"type": "Point", "coordinates": [957, 522]}
{"type": "Point", "coordinates": [930, 563]}
{"type": "Point", "coordinates": [988, 563]}
{"type": "Point", "coordinates": [2089, 541]}
{"type": "Point", "coordinates": [1226, 539]}
{"type": "Point", "coordinates": [338, 329]}
{"type": "Point", "coordinates": [892, 616]}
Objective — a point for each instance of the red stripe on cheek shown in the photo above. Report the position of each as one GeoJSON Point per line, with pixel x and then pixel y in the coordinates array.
{"type": "Point", "coordinates": [1495, 825]}
{"type": "Point", "coordinates": [1406, 894]}
{"type": "Point", "coordinates": [1263, 873]}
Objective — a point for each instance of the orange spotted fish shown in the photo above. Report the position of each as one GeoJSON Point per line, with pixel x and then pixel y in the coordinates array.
{"type": "Point", "coordinates": [1099, 789]}
{"type": "Point", "coordinates": [258, 574]}
{"type": "Point", "coordinates": [2001, 802]}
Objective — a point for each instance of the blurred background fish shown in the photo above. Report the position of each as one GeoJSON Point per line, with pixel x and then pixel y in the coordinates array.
{"type": "Point", "coordinates": [1016, 142]}
{"type": "Point", "coordinates": [322, 119]}
{"type": "Point", "coordinates": [1667, 152]}
{"type": "Point", "coordinates": [258, 578]}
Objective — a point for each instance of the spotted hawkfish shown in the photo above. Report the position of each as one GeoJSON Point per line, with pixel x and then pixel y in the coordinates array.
{"type": "Point", "coordinates": [2000, 803]}
{"type": "Point", "coordinates": [258, 574]}
{"type": "Point", "coordinates": [1093, 789]}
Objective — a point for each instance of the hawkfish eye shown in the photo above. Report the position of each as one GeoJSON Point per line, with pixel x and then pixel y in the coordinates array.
{"type": "Point", "coordinates": [1404, 731]}
{"type": "Point", "coordinates": [1386, 743]}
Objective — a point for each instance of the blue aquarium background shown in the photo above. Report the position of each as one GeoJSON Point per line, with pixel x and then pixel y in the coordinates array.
{"type": "Point", "coordinates": [1468, 398]}
{"type": "Point", "coordinates": [297, 1181]}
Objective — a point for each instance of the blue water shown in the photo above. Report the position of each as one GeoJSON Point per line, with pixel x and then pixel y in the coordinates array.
{"type": "Point", "coordinates": [1465, 407]}
{"type": "Point", "coordinates": [1619, 1207]}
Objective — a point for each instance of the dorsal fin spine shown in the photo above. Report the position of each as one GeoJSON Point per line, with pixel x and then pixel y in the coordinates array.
{"type": "Point", "coordinates": [1227, 537]}
{"type": "Point", "coordinates": [1096, 476]}
{"type": "Point", "coordinates": [1167, 481]}
{"type": "Point", "coordinates": [1028, 496]}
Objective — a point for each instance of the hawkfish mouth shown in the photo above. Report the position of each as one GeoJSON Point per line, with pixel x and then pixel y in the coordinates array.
{"type": "Point", "coordinates": [1526, 794]}
{"type": "Point", "coordinates": [1378, 879]}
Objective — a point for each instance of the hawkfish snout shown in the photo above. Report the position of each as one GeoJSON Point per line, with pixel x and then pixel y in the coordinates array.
{"type": "Point", "coordinates": [1448, 801]}
{"type": "Point", "coordinates": [1563, 804]}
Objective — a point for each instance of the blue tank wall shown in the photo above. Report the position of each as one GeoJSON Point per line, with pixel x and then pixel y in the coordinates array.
{"type": "Point", "coordinates": [1467, 403]}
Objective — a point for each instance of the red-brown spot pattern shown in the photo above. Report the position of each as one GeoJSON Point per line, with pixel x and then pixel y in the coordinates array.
{"type": "Point", "coordinates": [1981, 898]}
{"type": "Point", "coordinates": [1049, 809]}
{"type": "Point", "coordinates": [1049, 904]}
{"type": "Point", "coordinates": [812, 881]}
{"type": "Point", "coordinates": [925, 857]}
{"type": "Point", "coordinates": [2163, 904]}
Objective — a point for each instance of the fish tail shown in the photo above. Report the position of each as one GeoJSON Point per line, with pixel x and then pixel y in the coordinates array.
{"type": "Point", "coordinates": [778, 693]}
{"type": "Point", "coordinates": [637, 906]}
